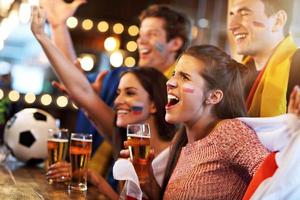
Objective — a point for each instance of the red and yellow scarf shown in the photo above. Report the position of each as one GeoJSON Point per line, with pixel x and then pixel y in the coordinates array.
{"type": "Point", "coordinates": [268, 95]}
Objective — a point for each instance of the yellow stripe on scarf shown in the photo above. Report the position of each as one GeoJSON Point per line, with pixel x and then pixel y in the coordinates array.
{"type": "Point", "coordinates": [270, 96]}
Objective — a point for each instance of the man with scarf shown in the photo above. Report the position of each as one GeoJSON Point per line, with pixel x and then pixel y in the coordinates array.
{"type": "Point", "coordinates": [260, 31]}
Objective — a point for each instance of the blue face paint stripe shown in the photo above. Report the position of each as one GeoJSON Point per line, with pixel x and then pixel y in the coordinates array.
{"type": "Point", "coordinates": [159, 47]}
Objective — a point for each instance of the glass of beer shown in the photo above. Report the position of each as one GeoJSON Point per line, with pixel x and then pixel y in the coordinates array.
{"type": "Point", "coordinates": [58, 143]}
{"type": "Point", "coordinates": [80, 153]}
{"type": "Point", "coordinates": [138, 141]}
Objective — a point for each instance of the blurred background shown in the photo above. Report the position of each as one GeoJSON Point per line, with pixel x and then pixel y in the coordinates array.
{"type": "Point", "coordinates": [104, 34]}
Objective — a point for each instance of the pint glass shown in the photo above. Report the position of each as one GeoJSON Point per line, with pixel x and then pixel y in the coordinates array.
{"type": "Point", "coordinates": [58, 143]}
{"type": "Point", "coordinates": [138, 141]}
{"type": "Point", "coordinates": [80, 153]}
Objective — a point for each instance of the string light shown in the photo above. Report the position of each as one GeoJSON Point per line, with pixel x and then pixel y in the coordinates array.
{"type": "Point", "coordinates": [116, 59]}
{"type": "Point", "coordinates": [110, 44]}
{"type": "Point", "coordinates": [129, 62]}
{"type": "Point", "coordinates": [46, 99]}
{"type": "Point", "coordinates": [62, 101]}
{"type": "Point", "coordinates": [72, 22]}
{"type": "Point", "coordinates": [14, 95]}
{"type": "Point", "coordinates": [87, 24]}
{"type": "Point", "coordinates": [103, 26]}
{"type": "Point", "coordinates": [29, 98]}
{"type": "Point", "coordinates": [131, 46]}
{"type": "Point", "coordinates": [87, 62]}
{"type": "Point", "coordinates": [118, 28]}
{"type": "Point", "coordinates": [1, 94]}
{"type": "Point", "coordinates": [133, 30]}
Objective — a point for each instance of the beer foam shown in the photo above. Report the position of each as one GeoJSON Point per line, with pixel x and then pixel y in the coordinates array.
{"type": "Point", "coordinates": [137, 135]}
{"type": "Point", "coordinates": [82, 140]}
{"type": "Point", "coordinates": [57, 140]}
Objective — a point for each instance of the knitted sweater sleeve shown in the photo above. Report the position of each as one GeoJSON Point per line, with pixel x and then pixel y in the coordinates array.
{"type": "Point", "coordinates": [240, 145]}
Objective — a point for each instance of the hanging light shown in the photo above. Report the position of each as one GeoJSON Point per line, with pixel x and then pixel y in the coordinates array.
{"type": "Point", "coordinates": [116, 59]}
{"type": "Point", "coordinates": [103, 26]}
{"type": "Point", "coordinates": [118, 28]}
{"type": "Point", "coordinates": [72, 22]}
{"type": "Point", "coordinates": [133, 30]}
{"type": "Point", "coordinates": [46, 99]}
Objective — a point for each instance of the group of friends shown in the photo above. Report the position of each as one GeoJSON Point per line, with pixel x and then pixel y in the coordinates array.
{"type": "Point", "coordinates": [193, 97]}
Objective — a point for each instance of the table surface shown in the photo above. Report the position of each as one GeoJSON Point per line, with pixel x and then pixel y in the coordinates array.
{"type": "Point", "coordinates": [18, 181]}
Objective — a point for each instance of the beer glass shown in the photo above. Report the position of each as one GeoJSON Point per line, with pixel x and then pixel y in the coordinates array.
{"type": "Point", "coordinates": [58, 143]}
{"type": "Point", "coordinates": [80, 153]}
{"type": "Point", "coordinates": [138, 141]}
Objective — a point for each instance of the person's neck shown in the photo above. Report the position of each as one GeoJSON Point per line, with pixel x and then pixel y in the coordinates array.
{"type": "Point", "coordinates": [261, 59]}
{"type": "Point", "coordinates": [167, 64]}
{"type": "Point", "coordinates": [201, 128]}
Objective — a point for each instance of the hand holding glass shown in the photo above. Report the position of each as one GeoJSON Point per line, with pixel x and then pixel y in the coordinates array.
{"type": "Point", "coordinates": [138, 141]}
{"type": "Point", "coordinates": [58, 142]}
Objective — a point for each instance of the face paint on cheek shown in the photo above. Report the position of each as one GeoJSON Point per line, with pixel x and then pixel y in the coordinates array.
{"type": "Point", "coordinates": [258, 24]}
{"type": "Point", "coordinates": [159, 47]}
{"type": "Point", "coordinates": [137, 108]}
{"type": "Point", "coordinates": [188, 88]}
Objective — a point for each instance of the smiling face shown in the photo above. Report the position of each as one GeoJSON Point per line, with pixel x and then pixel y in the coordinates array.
{"type": "Point", "coordinates": [154, 50]}
{"type": "Point", "coordinates": [132, 103]}
{"type": "Point", "coordinates": [250, 27]}
{"type": "Point", "coordinates": [186, 92]}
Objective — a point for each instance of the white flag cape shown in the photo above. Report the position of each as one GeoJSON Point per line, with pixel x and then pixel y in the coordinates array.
{"type": "Point", "coordinates": [280, 134]}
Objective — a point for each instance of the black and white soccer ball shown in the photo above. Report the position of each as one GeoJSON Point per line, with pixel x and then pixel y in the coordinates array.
{"type": "Point", "coordinates": [26, 134]}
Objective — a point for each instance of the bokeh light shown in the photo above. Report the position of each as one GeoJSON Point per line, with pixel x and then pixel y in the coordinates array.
{"type": "Point", "coordinates": [116, 59]}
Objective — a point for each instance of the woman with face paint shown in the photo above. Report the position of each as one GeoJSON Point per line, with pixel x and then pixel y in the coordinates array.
{"type": "Point", "coordinates": [140, 99]}
{"type": "Point", "coordinates": [214, 156]}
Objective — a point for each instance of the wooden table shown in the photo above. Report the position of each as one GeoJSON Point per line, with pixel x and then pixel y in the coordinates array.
{"type": "Point", "coordinates": [18, 181]}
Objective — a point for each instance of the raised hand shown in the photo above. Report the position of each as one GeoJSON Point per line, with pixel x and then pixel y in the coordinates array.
{"type": "Point", "coordinates": [58, 11]}
{"type": "Point", "coordinates": [294, 102]}
{"type": "Point", "coordinates": [38, 22]}
{"type": "Point", "coordinates": [97, 84]}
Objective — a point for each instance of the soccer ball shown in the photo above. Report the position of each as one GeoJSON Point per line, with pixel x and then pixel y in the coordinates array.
{"type": "Point", "coordinates": [26, 134]}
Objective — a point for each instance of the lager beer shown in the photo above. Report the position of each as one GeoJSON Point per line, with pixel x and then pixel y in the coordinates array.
{"type": "Point", "coordinates": [138, 141]}
{"type": "Point", "coordinates": [80, 153]}
{"type": "Point", "coordinates": [57, 150]}
{"type": "Point", "coordinates": [57, 145]}
{"type": "Point", "coordinates": [139, 148]}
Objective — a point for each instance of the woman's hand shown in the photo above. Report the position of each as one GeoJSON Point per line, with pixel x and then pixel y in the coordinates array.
{"type": "Point", "coordinates": [102, 185]}
{"type": "Point", "coordinates": [294, 101]}
{"type": "Point", "coordinates": [38, 22]}
{"type": "Point", "coordinates": [150, 187]}
{"type": "Point", "coordinates": [58, 11]}
{"type": "Point", "coordinates": [59, 172]}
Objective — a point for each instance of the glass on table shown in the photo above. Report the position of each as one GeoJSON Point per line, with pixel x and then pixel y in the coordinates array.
{"type": "Point", "coordinates": [80, 153]}
{"type": "Point", "coordinates": [138, 141]}
{"type": "Point", "coordinates": [58, 144]}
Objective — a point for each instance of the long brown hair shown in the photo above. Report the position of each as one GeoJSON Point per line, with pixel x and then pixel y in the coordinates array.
{"type": "Point", "coordinates": [220, 72]}
{"type": "Point", "coordinates": [154, 82]}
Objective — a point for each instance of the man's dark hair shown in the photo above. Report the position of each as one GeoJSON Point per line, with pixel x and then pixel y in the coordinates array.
{"type": "Point", "coordinates": [177, 24]}
{"type": "Point", "coordinates": [273, 6]}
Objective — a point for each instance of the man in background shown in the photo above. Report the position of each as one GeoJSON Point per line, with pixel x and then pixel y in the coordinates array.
{"type": "Point", "coordinates": [260, 31]}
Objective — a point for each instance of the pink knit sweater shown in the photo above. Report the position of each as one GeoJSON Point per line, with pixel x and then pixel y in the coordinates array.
{"type": "Point", "coordinates": [220, 166]}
